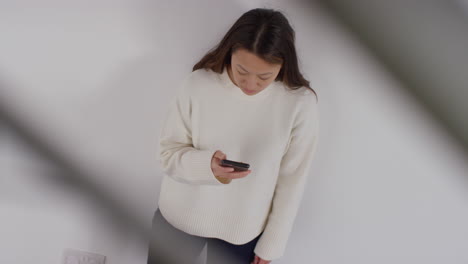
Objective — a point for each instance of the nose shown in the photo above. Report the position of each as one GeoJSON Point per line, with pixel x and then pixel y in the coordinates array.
{"type": "Point", "coordinates": [250, 83]}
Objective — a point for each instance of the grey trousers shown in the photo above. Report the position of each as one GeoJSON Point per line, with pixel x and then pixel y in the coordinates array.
{"type": "Point", "coordinates": [170, 245]}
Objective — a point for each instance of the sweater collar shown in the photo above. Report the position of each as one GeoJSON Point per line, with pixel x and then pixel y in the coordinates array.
{"type": "Point", "coordinates": [235, 91]}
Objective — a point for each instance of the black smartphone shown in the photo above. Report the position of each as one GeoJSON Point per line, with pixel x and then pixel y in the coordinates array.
{"type": "Point", "coordinates": [238, 166]}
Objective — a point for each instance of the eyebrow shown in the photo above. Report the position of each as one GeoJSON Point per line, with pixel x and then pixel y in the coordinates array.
{"type": "Point", "coordinates": [248, 71]}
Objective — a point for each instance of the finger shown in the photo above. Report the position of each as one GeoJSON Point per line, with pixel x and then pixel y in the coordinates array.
{"type": "Point", "coordinates": [237, 175]}
{"type": "Point", "coordinates": [220, 158]}
{"type": "Point", "coordinates": [257, 259]}
{"type": "Point", "coordinates": [222, 171]}
{"type": "Point", "coordinates": [219, 154]}
{"type": "Point", "coordinates": [226, 169]}
{"type": "Point", "coordinates": [221, 167]}
{"type": "Point", "coordinates": [222, 155]}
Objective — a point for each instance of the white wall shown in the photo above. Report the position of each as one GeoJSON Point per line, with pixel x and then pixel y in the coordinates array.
{"type": "Point", "coordinates": [387, 184]}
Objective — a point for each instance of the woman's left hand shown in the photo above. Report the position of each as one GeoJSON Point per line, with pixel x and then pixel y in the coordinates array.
{"type": "Point", "coordinates": [258, 260]}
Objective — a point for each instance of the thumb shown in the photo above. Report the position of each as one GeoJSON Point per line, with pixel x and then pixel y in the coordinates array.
{"type": "Point", "coordinates": [220, 155]}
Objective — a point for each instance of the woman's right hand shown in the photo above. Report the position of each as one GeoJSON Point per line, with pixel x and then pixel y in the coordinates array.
{"type": "Point", "coordinates": [225, 174]}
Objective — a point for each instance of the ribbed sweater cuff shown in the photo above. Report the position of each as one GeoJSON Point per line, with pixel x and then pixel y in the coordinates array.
{"type": "Point", "coordinates": [272, 243]}
{"type": "Point", "coordinates": [201, 167]}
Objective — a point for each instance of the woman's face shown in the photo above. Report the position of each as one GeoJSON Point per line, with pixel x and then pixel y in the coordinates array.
{"type": "Point", "coordinates": [251, 73]}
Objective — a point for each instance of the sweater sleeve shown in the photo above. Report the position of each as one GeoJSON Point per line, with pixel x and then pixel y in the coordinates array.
{"type": "Point", "coordinates": [177, 155]}
{"type": "Point", "coordinates": [290, 184]}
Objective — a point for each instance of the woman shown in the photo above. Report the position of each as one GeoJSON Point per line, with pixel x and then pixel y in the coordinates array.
{"type": "Point", "coordinates": [245, 101]}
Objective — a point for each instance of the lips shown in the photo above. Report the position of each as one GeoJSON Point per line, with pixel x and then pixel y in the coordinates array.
{"type": "Point", "coordinates": [249, 91]}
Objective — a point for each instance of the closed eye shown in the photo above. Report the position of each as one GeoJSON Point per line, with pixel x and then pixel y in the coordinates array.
{"type": "Point", "coordinates": [241, 73]}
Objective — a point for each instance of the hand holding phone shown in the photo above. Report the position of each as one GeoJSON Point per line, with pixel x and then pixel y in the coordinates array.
{"type": "Point", "coordinates": [238, 166]}
{"type": "Point", "coordinates": [225, 170]}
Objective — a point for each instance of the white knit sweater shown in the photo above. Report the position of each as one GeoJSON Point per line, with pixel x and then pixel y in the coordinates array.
{"type": "Point", "coordinates": [275, 131]}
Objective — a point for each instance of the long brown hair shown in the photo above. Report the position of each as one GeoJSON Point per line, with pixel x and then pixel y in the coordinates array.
{"type": "Point", "coordinates": [265, 33]}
